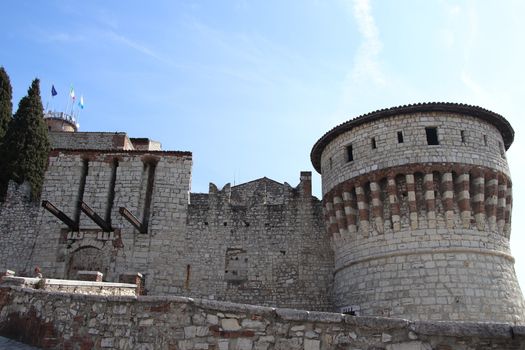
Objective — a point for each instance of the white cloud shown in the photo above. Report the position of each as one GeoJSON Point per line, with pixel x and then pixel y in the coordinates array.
{"type": "Point", "coordinates": [135, 45]}
{"type": "Point", "coordinates": [478, 93]}
{"type": "Point", "coordinates": [366, 64]}
{"type": "Point", "coordinates": [61, 38]}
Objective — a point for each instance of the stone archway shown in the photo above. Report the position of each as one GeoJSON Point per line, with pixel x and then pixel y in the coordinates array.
{"type": "Point", "coordinates": [87, 258]}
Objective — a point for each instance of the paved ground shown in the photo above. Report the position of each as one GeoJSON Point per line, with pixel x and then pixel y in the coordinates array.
{"type": "Point", "coordinates": [9, 344]}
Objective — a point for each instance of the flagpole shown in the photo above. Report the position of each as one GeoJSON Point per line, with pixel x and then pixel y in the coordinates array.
{"type": "Point", "coordinates": [67, 105]}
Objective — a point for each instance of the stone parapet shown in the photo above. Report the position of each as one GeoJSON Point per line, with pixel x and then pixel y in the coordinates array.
{"type": "Point", "coordinates": [52, 321]}
{"type": "Point", "coordinates": [71, 286]}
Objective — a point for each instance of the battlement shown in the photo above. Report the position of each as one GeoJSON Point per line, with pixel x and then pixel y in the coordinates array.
{"type": "Point", "coordinates": [262, 191]}
{"type": "Point", "coordinates": [268, 239]}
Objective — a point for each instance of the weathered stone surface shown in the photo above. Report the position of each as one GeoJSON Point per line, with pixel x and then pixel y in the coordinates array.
{"type": "Point", "coordinates": [100, 322]}
{"type": "Point", "coordinates": [311, 344]}
{"type": "Point", "coordinates": [413, 345]}
{"type": "Point", "coordinates": [230, 324]}
{"type": "Point", "coordinates": [490, 330]}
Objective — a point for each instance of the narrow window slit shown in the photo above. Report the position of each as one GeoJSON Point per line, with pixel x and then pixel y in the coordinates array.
{"type": "Point", "coordinates": [349, 153]}
{"type": "Point", "coordinates": [432, 136]}
{"type": "Point", "coordinates": [400, 137]}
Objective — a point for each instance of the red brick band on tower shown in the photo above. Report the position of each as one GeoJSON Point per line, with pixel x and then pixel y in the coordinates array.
{"type": "Point", "coordinates": [447, 185]}
{"type": "Point", "coordinates": [350, 204]}
{"type": "Point", "coordinates": [377, 207]}
{"type": "Point", "coordinates": [430, 199]}
{"type": "Point", "coordinates": [463, 190]}
{"type": "Point", "coordinates": [478, 200]}
{"type": "Point", "coordinates": [394, 204]}
{"type": "Point", "coordinates": [362, 207]}
{"type": "Point", "coordinates": [348, 208]}
{"type": "Point", "coordinates": [502, 205]}
{"type": "Point", "coordinates": [340, 216]}
{"type": "Point", "coordinates": [492, 199]}
{"type": "Point", "coordinates": [412, 204]}
{"type": "Point", "coordinates": [332, 222]}
{"type": "Point", "coordinates": [508, 210]}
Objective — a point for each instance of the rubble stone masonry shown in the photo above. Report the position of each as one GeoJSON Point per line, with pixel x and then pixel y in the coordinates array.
{"type": "Point", "coordinates": [52, 320]}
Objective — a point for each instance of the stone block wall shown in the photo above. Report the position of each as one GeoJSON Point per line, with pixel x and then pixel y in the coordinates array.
{"type": "Point", "coordinates": [105, 181]}
{"type": "Point", "coordinates": [90, 140]}
{"type": "Point", "coordinates": [19, 222]}
{"type": "Point", "coordinates": [71, 286]}
{"type": "Point", "coordinates": [470, 149]}
{"type": "Point", "coordinates": [261, 242]}
{"type": "Point", "coordinates": [54, 321]}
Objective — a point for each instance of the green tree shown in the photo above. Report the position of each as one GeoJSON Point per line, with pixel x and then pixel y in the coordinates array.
{"type": "Point", "coordinates": [26, 145]}
{"type": "Point", "coordinates": [6, 107]}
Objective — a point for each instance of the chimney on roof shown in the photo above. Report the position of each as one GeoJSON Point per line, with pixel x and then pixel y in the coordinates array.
{"type": "Point", "coordinates": [306, 183]}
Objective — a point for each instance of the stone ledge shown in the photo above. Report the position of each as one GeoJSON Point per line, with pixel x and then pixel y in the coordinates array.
{"type": "Point", "coordinates": [461, 329]}
{"type": "Point", "coordinates": [31, 281]}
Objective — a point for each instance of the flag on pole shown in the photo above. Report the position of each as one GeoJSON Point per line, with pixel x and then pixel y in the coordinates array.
{"type": "Point", "coordinates": [53, 91]}
{"type": "Point", "coordinates": [81, 102]}
{"type": "Point", "coordinates": [72, 93]}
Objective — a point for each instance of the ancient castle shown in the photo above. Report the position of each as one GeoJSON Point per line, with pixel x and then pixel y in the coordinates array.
{"type": "Point", "coordinates": [414, 221]}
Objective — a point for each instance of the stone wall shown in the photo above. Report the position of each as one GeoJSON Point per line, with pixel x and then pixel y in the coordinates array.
{"type": "Point", "coordinates": [19, 222]}
{"type": "Point", "coordinates": [470, 148]}
{"type": "Point", "coordinates": [105, 181]}
{"type": "Point", "coordinates": [90, 140]}
{"type": "Point", "coordinates": [71, 286]}
{"type": "Point", "coordinates": [71, 321]}
{"type": "Point", "coordinates": [261, 242]}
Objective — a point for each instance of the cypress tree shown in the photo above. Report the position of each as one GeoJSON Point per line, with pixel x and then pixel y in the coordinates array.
{"type": "Point", "coordinates": [6, 114]}
{"type": "Point", "coordinates": [6, 107]}
{"type": "Point", "coordinates": [26, 145]}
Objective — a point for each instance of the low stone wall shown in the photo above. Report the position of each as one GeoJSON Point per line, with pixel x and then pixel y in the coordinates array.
{"type": "Point", "coordinates": [72, 286]}
{"type": "Point", "coordinates": [72, 321]}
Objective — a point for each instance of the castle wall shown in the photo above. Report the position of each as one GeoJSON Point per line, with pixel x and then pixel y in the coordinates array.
{"type": "Point", "coordinates": [261, 243]}
{"type": "Point", "coordinates": [18, 230]}
{"type": "Point", "coordinates": [105, 181]}
{"type": "Point", "coordinates": [54, 321]}
{"type": "Point", "coordinates": [90, 140]}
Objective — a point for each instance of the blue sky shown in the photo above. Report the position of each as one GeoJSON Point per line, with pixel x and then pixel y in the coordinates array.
{"type": "Point", "coordinates": [249, 86]}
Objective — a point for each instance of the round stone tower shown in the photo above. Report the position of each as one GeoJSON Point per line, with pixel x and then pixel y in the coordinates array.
{"type": "Point", "coordinates": [59, 121]}
{"type": "Point", "coordinates": [418, 205]}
